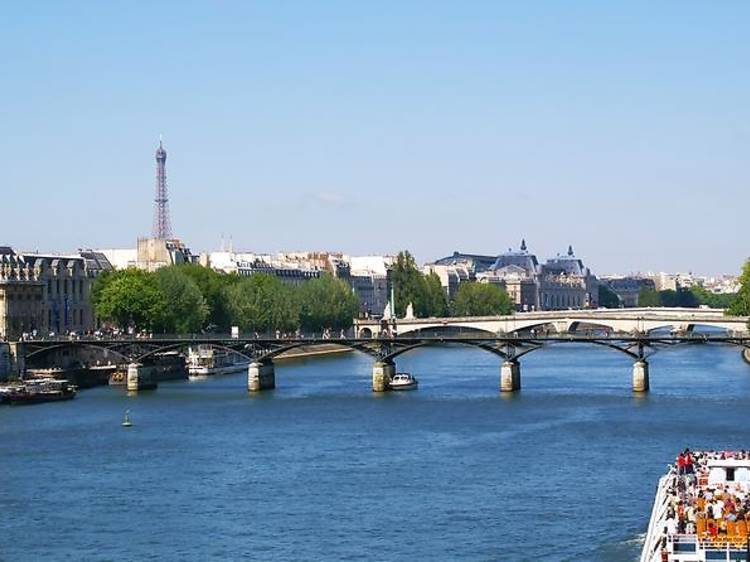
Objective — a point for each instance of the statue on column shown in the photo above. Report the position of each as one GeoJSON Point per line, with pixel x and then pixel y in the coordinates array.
{"type": "Point", "coordinates": [409, 312]}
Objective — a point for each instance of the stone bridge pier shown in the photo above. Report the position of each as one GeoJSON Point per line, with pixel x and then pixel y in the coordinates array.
{"type": "Point", "coordinates": [640, 376]}
{"type": "Point", "coordinates": [261, 375]}
{"type": "Point", "coordinates": [382, 373]}
{"type": "Point", "coordinates": [16, 359]}
{"type": "Point", "coordinates": [140, 377]}
{"type": "Point", "coordinates": [510, 376]}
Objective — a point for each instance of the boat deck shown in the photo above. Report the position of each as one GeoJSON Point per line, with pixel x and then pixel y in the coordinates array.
{"type": "Point", "coordinates": [702, 509]}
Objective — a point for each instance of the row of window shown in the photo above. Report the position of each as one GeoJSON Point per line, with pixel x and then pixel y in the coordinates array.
{"type": "Point", "coordinates": [562, 301]}
{"type": "Point", "coordinates": [22, 297]}
{"type": "Point", "coordinates": [75, 286]}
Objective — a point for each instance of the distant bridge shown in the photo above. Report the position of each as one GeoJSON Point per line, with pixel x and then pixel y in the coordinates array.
{"type": "Point", "coordinates": [260, 352]}
{"type": "Point", "coordinates": [624, 320]}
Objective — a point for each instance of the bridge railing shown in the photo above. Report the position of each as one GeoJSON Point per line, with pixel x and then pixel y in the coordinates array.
{"type": "Point", "coordinates": [313, 338]}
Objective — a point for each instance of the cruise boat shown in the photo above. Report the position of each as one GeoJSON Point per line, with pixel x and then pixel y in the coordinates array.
{"type": "Point", "coordinates": [36, 391]}
{"type": "Point", "coordinates": [5, 394]}
{"type": "Point", "coordinates": [702, 509]}
{"type": "Point", "coordinates": [403, 381]}
{"type": "Point", "coordinates": [204, 361]}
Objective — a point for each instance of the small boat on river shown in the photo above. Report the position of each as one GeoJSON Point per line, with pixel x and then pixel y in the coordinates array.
{"type": "Point", "coordinates": [403, 381]}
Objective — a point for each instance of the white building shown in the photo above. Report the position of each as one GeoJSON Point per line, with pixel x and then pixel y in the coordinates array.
{"type": "Point", "coordinates": [121, 258]}
{"type": "Point", "coordinates": [451, 276]}
{"type": "Point", "coordinates": [370, 279]}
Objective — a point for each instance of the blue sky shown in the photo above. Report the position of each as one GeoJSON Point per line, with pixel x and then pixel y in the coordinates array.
{"type": "Point", "coordinates": [622, 128]}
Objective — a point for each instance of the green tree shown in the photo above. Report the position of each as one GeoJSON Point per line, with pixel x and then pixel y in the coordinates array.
{"type": "Point", "coordinates": [102, 280]}
{"type": "Point", "coordinates": [263, 303]}
{"type": "Point", "coordinates": [741, 305]}
{"type": "Point", "coordinates": [327, 302]}
{"type": "Point", "coordinates": [130, 298]}
{"type": "Point", "coordinates": [607, 297]}
{"type": "Point", "coordinates": [436, 302]}
{"type": "Point", "coordinates": [681, 297]}
{"type": "Point", "coordinates": [713, 300]}
{"type": "Point", "coordinates": [481, 299]}
{"type": "Point", "coordinates": [425, 293]}
{"type": "Point", "coordinates": [187, 311]}
{"type": "Point", "coordinates": [668, 297]}
{"type": "Point", "coordinates": [212, 285]}
{"type": "Point", "coordinates": [648, 297]}
{"type": "Point", "coordinates": [407, 284]}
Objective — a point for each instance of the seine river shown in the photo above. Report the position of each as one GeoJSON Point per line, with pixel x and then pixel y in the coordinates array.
{"type": "Point", "coordinates": [322, 469]}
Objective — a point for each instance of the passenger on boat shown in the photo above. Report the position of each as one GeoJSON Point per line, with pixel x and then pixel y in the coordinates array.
{"type": "Point", "coordinates": [720, 512]}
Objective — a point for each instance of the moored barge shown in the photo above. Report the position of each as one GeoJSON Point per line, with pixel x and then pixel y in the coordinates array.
{"type": "Point", "coordinates": [37, 391]}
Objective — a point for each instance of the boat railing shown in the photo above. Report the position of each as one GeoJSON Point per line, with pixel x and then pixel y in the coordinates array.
{"type": "Point", "coordinates": [722, 547]}
{"type": "Point", "coordinates": [684, 544]}
{"type": "Point", "coordinates": [655, 536]}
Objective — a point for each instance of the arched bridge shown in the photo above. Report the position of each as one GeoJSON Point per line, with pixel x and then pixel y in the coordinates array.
{"type": "Point", "coordinates": [510, 348]}
{"type": "Point", "coordinates": [627, 320]}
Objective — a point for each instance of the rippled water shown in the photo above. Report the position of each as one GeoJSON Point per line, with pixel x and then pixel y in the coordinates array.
{"type": "Point", "coordinates": [322, 469]}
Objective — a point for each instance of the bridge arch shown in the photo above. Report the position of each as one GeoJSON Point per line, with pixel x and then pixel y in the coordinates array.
{"type": "Point", "coordinates": [575, 325]}
{"type": "Point", "coordinates": [364, 347]}
{"type": "Point", "coordinates": [73, 345]}
{"type": "Point", "coordinates": [626, 350]}
{"type": "Point", "coordinates": [538, 324]}
{"type": "Point", "coordinates": [691, 326]}
{"type": "Point", "coordinates": [187, 344]}
{"type": "Point", "coordinates": [446, 328]}
{"type": "Point", "coordinates": [437, 343]}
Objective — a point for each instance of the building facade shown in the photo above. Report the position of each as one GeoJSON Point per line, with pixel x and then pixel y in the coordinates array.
{"type": "Point", "coordinates": [451, 276]}
{"type": "Point", "coordinates": [561, 282]}
{"type": "Point", "coordinates": [154, 253]}
{"type": "Point", "coordinates": [286, 273]}
{"type": "Point", "coordinates": [565, 282]}
{"type": "Point", "coordinates": [21, 296]}
{"type": "Point", "coordinates": [628, 289]}
{"type": "Point", "coordinates": [369, 276]}
{"type": "Point", "coordinates": [47, 293]}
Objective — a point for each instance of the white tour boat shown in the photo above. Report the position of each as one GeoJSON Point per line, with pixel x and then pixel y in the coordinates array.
{"type": "Point", "coordinates": [403, 381]}
{"type": "Point", "coordinates": [702, 509]}
{"type": "Point", "coordinates": [204, 361]}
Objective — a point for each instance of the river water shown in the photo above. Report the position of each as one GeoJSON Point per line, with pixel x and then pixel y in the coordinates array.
{"type": "Point", "coordinates": [322, 469]}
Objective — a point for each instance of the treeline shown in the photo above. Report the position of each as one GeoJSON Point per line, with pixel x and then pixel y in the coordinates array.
{"type": "Point", "coordinates": [428, 298]}
{"type": "Point", "coordinates": [692, 297]}
{"type": "Point", "coordinates": [740, 306]}
{"type": "Point", "coordinates": [185, 299]}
